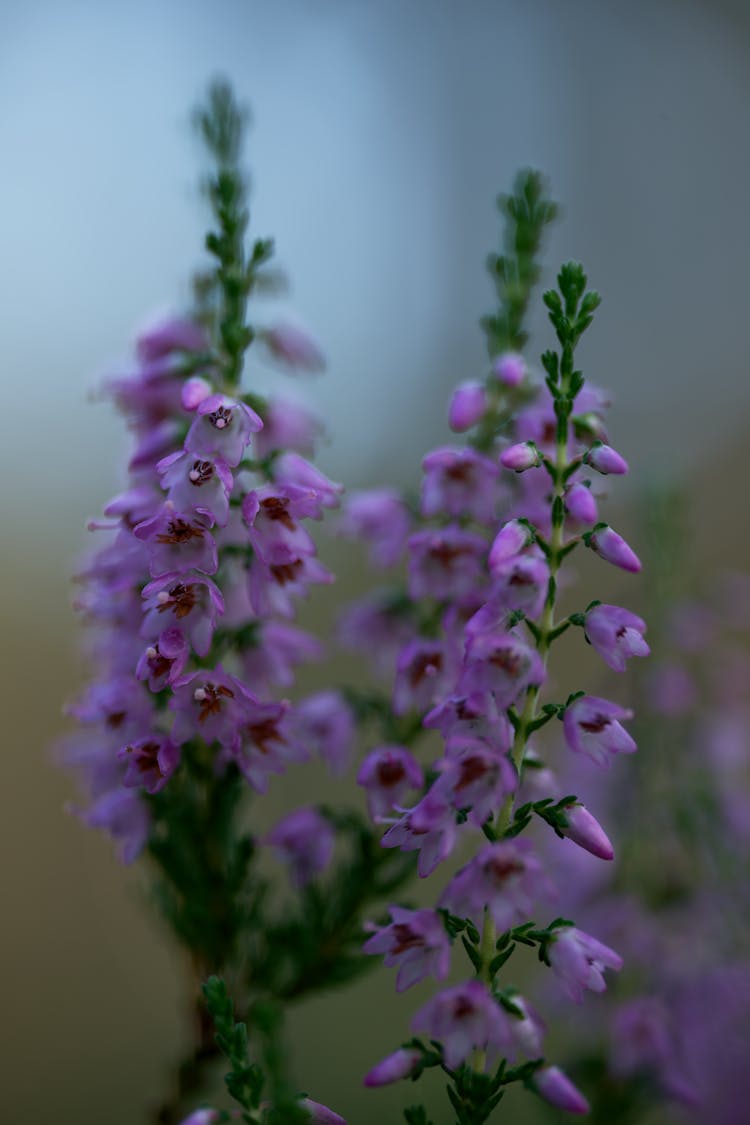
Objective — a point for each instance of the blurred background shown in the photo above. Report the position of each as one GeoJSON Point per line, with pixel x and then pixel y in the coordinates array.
{"type": "Point", "coordinates": [382, 132]}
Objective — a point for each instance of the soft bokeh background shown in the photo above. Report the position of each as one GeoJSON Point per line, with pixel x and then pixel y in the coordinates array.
{"type": "Point", "coordinates": [382, 132]}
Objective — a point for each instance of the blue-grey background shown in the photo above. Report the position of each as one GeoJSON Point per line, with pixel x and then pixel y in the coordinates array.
{"type": "Point", "coordinates": [382, 131]}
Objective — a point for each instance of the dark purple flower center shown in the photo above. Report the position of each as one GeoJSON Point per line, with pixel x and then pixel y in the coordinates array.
{"type": "Point", "coordinates": [390, 773]}
{"type": "Point", "coordinates": [286, 572]}
{"type": "Point", "coordinates": [211, 700]}
{"type": "Point", "coordinates": [276, 508]}
{"type": "Point", "coordinates": [159, 664]}
{"type": "Point", "coordinates": [473, 768]}
{"type": "Point", "coordinates": [502, 869]}
{"type": "Point", "coordinates": [461, 472]}
{"type": "Point", "coordinates": [595, 725]}
{"type": "Point", "coordinates": [221, 418]}
{"type": "Point", "coordinates": [508, 661]}
{"type": "Point", "coordinates": [406, 938]}
{"type": "Point", "coordinates": [446, 554]}
{"type": "Point", "coordinates": [115, 719]}
{"type": "Point", "coordinates": [201, 473]}
{"type": "Point", "coordinates": [423, 666]}
{"type": "Point", "coordinates": [181, 600]}
{"type": "Point", "coordinates": [180, 531]}
{"type": "Point", "coordinates": [462, 1008]}
{"type": "Point", "coordinates": [262, 733]}
{"type": "Point", "coordinates": [147, 758]}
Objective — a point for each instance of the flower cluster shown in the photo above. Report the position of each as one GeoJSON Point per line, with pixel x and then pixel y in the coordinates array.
{"type": "Point", "coordinates": [470, 638]}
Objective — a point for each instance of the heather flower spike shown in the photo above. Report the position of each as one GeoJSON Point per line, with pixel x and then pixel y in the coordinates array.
{"type": "Point", "coordinates": [491, 585]}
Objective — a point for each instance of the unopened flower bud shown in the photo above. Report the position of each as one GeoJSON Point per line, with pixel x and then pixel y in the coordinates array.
{"type": "Point", "coordinates": [194, 391]}
{"type": "Point", "coordinates": [509, 541]}
{"type": "Point", "coordinates": [293, 346]}
{"type": "Point", "coordinates": [393, 1067]}
{"type": "Point", "coordinates": [557, 1089]}
{"type": "Point", "coordinates": [613, 549]}
{"type": "Point", "coordinates": [321, 1114]}
{"type": "Point", "coordinates": [467, 406]}
{"type": "Point", "coordinates": [580, 504]}
{"type": "Point", "coordinates": [606, 460]}
{"type": "Point", "coordinates": [586, 831]}
{"type": "Point", "coordinates": [520, 457]}
{"type": "Point", "coordinates": [509, 369]}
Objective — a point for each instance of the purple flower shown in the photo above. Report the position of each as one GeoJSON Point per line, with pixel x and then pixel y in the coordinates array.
{"type": "Point", "coordinates": [556, 1088]}
{"type": "Point", "coordinates": [380, 518]}
{"type": "Point", "coordinates": [464, 1018]}
{"type": "Point", "coordinates": [387, 774]}
{"type": "Point", "coordinates": [509, 369]}
{"type": "Point", "coordinates": [591, 727]}
{"type": "Point", "coordinates": [377, 626]}
{"type": "Point", "coordinates": [279, 648]}
{"type": "Point", "coordinates": [393, 1068]}
{"type": "Point", "coordinates": [445, 563]}
{"type": "Point", "coordinates": [520, 583]}
{"type": "Point", "coordinates": [292, 345]}
{"type": "Point", "coordinates": [423, 671]}
{"type": "Point", "coordinates": [264, 742]}
{"type": "Point", "coordinates": [325, 724]}
{"type": "Point", "coordinates": [201, 1117]}
{"type": "Point", "coordinates": [271, 514]}
{"type": "Point", "coordinates": [123, 814]}
{"type": "Point", "coordinates": [579, 960]}
{"type": "Point", "coordinates": [613, 549]}
{"type": "Point", "coordinates": [121, 706]}
{"type": "Point", "coordinates": [505, 877]}
{"type": "Point", "coordinates": [321, 1114]}
{"type": "Point", "coordinates": [416, 941]}
{"type": "Point", "coordinates": [291, 469]}
{"type": "Point", "coordinates": [193, 600]}
{"type": "Point", "coordinates": [475, 778]}
{"type": "Point", "coordinates": [208, 704]}
{"type": "Point", "coordinates": [162, 662]}
{"type": "Point", "coordinates": [580, 504]}
{"type": "Point", "coordinates": [605, 460]}
{"type": "Point", "coordinates": [200, 484]}
{"type": "Point", "coordinates": [467, 406]}
{"type": "Point", "coordinates": [194, 391]}
{"type": "Point", "coordinates": [502, 664]}
{"type": "Point", "coordinates": [287, 425]}
{"type": "Point", "coordinates": [169, 334]}
{"type": "Point", "coordinates": [150, 762]}
{"type": "Point", "coordinates": [274, 589]}
{"type": "Point", "coordinates": [520, 457]}
{"type": "Point", "coordinates": [510, 540]}
{"type": "Point", "coordinates": [475, 716]}
{"type": "Point", "coordinates": [459, 482]}
{"type": "Point", "coordinates": [304, 840]}
{"type": "Point", "coordinates": [178, 542]}
{"type": "Point", "coordinates": [616, 634]}
{"type": "Point", "coordinates": [222, 428]}
{"type": "Point", "coordinates": [429, 828]}
{"type": "Point", "coordinates": [640, 1037]}
{"type": "Point", "coordinates": [586, 831]}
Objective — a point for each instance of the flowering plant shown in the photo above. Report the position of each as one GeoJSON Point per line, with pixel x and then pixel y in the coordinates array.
{"type": "Point", "coordinates": [193, 599]}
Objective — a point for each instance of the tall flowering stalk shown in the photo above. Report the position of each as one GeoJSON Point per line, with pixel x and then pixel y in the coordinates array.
{"type": "Point", "coordinates": [481, 615]}
{"type": "Point", "coordinates": [192, 602]}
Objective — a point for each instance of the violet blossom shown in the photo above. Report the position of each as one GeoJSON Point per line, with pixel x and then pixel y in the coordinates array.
{"type": "Point", "coordinates": [416, 942]}
{"type": "Point", "coordinates": [592, 728]}
{"type": "Point", "coordinates": [304, 841]}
